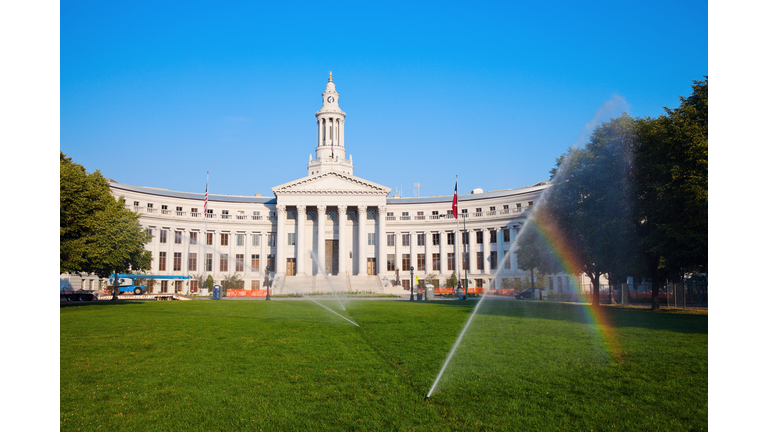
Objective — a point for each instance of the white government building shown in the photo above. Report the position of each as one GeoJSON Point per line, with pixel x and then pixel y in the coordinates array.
{"type": "Point", "coordinates": [364, 239]}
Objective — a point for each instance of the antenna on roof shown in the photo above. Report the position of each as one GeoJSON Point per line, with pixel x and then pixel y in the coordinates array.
{"type": "Point", "coordinates": [417, 186]}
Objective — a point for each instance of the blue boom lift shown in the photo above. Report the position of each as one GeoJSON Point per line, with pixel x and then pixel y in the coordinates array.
{"type": "Point", "coordinates": [126, 282]}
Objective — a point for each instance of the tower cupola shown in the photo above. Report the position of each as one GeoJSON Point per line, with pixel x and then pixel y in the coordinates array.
{"type": "Point", "coordinates": [330, 152]}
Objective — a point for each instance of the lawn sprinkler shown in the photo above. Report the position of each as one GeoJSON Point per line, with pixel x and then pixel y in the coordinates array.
{"type": "Point", "coordinates": [426, 398]}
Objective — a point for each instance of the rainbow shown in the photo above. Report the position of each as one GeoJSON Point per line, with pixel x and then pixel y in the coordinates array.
{"type": "Point", "coordinates": [571, 262]}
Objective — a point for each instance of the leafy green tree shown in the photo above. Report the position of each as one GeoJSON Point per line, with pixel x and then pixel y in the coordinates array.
{"type": "Point", "coordinates": [231, 282]}
{"type": "Point", "coordinates": [209, 282]}
{"type": "Point", "coordinates": [589, 208]}
{"type": "Point", "coordinates": [452, 281]}
{"type": "Point", "coordinates": [97, 234]}
{"type": "Point", "coordinates": [533, 252]}
{"type": "Point", "coordinates": [672, 190]}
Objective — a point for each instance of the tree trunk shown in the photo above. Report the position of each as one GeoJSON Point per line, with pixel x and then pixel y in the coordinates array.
{"type": "Point", "coordinates": [655, 281]}
{"type": "Point", "coordinates": [115, 290]}
{"type": "Point", "coordinates": [596, 290]}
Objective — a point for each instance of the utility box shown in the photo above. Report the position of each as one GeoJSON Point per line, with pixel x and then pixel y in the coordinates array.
{"type": "Point", "coordinates": [429, 291]}
{"type": "Point", "coordinates": [217, 292]}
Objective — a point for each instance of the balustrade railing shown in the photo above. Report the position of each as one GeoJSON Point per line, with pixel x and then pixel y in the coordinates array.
{"type": "Point", "coordinates": [312, 216]}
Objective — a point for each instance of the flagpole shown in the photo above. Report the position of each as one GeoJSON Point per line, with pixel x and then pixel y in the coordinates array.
{"type": "Point", "coordinates": [205, 235]}
{"type": "Point", "coordinates": [457, 239]}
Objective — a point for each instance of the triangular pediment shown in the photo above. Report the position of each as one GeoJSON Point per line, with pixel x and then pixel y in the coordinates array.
{"type": "Point", "coordinates": [331, 183]}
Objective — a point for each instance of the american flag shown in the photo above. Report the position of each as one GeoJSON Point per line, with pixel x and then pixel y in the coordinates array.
{"type": "Point", "coordinates": [454, 207]}
{"type": "Point", "coordinates": [205, 205]}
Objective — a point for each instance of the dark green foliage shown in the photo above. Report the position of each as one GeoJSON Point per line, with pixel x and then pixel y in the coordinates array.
{"type": "Point", "coordinates": [672, 188]}
{"type": "Point", "coordinates": [589, 210]}
{"type": "Point", "coordinates": [97, 234]}
{"type": "Point", "coordinates": [209, 282]}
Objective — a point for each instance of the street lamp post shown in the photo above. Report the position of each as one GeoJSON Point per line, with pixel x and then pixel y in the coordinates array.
{"type": "Point", "coordinates": [268, 283]}
{"type": "Point", "coordinates": [411, 283]}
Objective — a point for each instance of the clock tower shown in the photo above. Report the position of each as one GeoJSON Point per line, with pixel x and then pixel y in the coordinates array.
{"type": "Point", "coordinates": [330, 152]}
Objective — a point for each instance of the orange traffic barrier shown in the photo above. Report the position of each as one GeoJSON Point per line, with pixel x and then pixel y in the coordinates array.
{"type": "Point", "coordinates": [246, 293]}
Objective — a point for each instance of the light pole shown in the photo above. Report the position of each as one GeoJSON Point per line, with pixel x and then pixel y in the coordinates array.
{"type": "Point", "coordinates": [411, 283]}
{"type": "Point", "coordinates": [267, 283]}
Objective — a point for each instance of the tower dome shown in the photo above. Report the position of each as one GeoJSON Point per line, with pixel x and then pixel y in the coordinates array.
{"type": "Point", "coordinates": [330, 151]}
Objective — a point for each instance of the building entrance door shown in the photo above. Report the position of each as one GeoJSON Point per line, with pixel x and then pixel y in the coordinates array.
{"type": "Point", "coordinates": [331, 257]}
{"type": "Point", "coordinates": [371, 266]}
{"type": "Point", "coordinates": [290, 267]}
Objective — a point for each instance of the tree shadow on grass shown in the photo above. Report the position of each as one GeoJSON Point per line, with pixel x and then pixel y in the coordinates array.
{"type": "Point", "coordinates": [104, 303]}
{"type": "Point", "coordinates": [581, 313]}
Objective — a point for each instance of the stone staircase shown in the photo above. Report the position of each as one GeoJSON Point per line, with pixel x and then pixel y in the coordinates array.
{"type": "Point", "coordinates": [340, 283]}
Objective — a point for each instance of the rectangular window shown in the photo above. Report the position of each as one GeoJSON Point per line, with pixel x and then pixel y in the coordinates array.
{"type": "Point", "coordinates": [208, 262]}
{"type": "Point", "coordinates": [478, 210]}
{"type": "Point", "coordinates": [390, 239]}
{"type": "Point", "coordinates": [255, 262]}
{"type": "Point", "coordinates": [271, 262]}
{"type": "Point", "coordinates": [435, 212]}
{"type": "Point", "coordinates": [435, 239]}
{"type": "Point", "coordinates": [390, 214]}
{"type": "Point", "coordinates": [493, 236]}
{"type": "Point", "coordinates": [193, 238]}
{"type": "Point", "coordinates": [225, 239]}
{"type": "Point", "coordinates": [240, 239]}
{"type": "Point", "coordinates": [164, 207]}
{"type": "Point", "coordinates": [177, 237]}
{"type": "Point", "coordinates": [176, 261]}
{"type": "Point", "coordinates": [192, 262]}
{"type": "Point", "coordinates": [255, 239]}
{"type": "Point", "coordinates": [179, 209]}
{"type": "Point", "coordinates": [451, 261]}
{"type": "Point", "coordinates": [163, 236]}
{"type": "Point", "coordinates": [239, 262]}
{"type": "Point", "coordinates": [405, 213]}
{"type": "Point", "coordinates": [292, 239]}
{"type": "Point", "coordinates": [436, 262]}
{"type": "Point", "coordinates": [493, 260]}
{"type": "Point", "coordinates": [135, 203]}
{"type": "Point", "coordinates": [371, 239]}
{"type": "Point", "coordinates": [149, 231]}
{"type": "Point", "coordinates": [480, 261]}
{"type": "Point", "coordinates": [479, 283]}
{"type": "Point", "coordinates": [464, 211]}
{"type": "Point", "coordinates": [161, 262]}
{"type": "Point", "coordinates": [150, 205]}
{"type": "Point", "coordinates": [493, 209]}
{"type": "Point", "coordinates": [421, 261]}
{"type": "Point", "coordinates": [224, 263]}
{"type": "Point", "coordinates": [406, 240]}
{"type": "Point", "coordinates": [390, 262]}
{"type": "Point", "coordinates": [164, 286]}
{"type": "Point", "coordinates": [530, 203]}
{"type": "Point", "coordinates": [507, 260]}
{"type": "Point", "coordinates": [479, 235]}
{"type": "Point", "coordinates": [406, 262]}
{"type": "Point", "coordinates": [506, 235]}
{"type": "Point", "coordinates": [271, 240]}
{"type": "Point", "coordinates": [209, 239]}
{"type": "Point", "coordinates": [254, 284]}
{"type": "Point", "coordinates": [193, 286]}
{"type": "Point", "coordinates": [193, 210]}
{"type": "Point", "coordinates": [421, 239]}
{"type": "Point", "coordinates": [451, 238]}
{"type": "Point", "coordinates": [506, 206]}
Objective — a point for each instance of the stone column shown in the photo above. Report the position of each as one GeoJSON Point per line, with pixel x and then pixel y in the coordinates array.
{"type": "Point", "coordinates": [342, 239]}
{"type": "Point", "coordinates": [487, 251]}
{"type": "Point", "coordinates": [320, 238]}
{"type": "Point", "coordinates": [279, 240]}
{"type": "Point", "coordinates": [341, 134]}
{"type": "Point", "coordinates": [443, 253]}
{"type": "Point", "coordinates": [472, 250]}
{"type": "Point", "coordinates": [428, 251]}
{"type": "Point", "coordinates": [381, 260]}
{"type": "Point", "coordinates": [362, 240]}
{"type": "Point", "coordinates": [301, 252]}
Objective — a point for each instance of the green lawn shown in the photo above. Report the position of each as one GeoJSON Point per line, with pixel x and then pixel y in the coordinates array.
{"type": "Point", "coordinates": [291, 365]}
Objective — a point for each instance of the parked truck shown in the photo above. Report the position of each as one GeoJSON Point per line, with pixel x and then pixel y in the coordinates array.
{"type": "Point", "coordinates": [126, 283]}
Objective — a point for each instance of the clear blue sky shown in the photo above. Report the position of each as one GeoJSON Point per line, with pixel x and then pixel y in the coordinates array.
{"type": "Point", "coordinates": [156, 94]}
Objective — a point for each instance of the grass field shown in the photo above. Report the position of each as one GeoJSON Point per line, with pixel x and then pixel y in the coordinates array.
{"type": "Point", "coordinates": [291, 365]}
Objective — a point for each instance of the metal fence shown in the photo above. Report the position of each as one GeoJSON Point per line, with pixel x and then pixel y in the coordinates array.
{"type": "Point", "coordinates": [681, 295]}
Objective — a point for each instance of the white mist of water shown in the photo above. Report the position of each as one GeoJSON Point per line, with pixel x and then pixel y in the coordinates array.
{"type": "Point", "coordinates": [320, 269]}
{"type": "Point", "coordinates": [613, 107]}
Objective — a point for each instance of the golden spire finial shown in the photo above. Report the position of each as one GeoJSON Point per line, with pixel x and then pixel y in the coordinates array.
{"type": "Point", "coordinates": [330, 76]}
